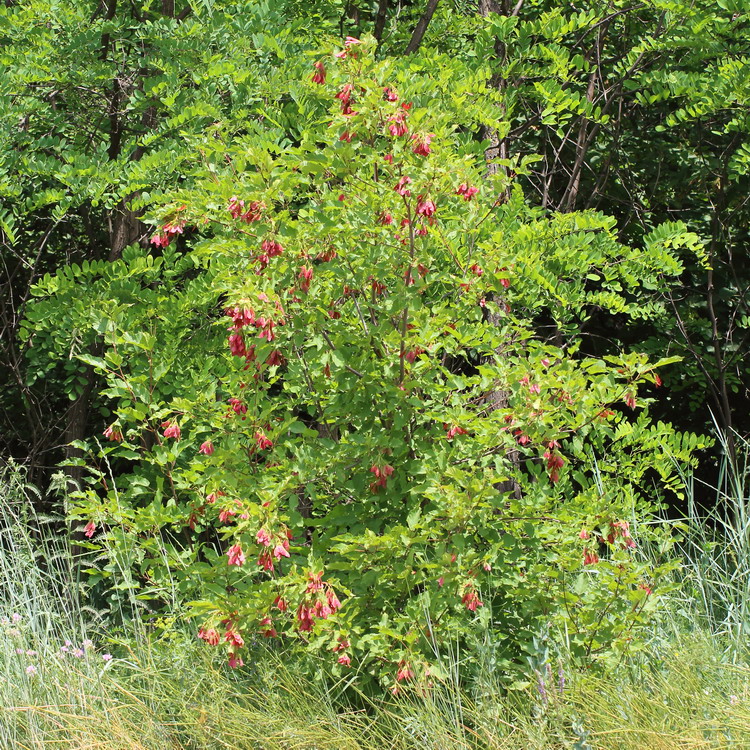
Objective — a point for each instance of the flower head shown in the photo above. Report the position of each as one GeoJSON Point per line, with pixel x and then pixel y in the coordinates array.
{"type": "Point", "coordinates": [263, 442]}
{"type": "Point", "coordinates": [404, 672]}
{"type": "Point", "coordinates": [171, 429]}
{"type": "Point", "coordinates": [425, 207]}
{"type": "Point", "coordinates": [401, 186]}
{"type": "Point", "coordinates": [210, 636]}
{"type": "Point", "coordinates": [397, 123]}
{"type": "Point", "coordinates": [471, 598]}
{"type": "Point", "coordinates": [422, 143]}
{"type": "Point", "coordinates": [235, 555]}
{"type": "Point", "coordinates": [113, 432]}
{"type": "Point", "coordinates": [320, 73]}
{"type": "Point", "coordinates": [467, 191]}
{"type": "Point", "coordinates": [590, 557]}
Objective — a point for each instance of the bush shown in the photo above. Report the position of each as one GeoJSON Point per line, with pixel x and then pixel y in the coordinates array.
{"type": "Point", "coordinates": [403, 446]}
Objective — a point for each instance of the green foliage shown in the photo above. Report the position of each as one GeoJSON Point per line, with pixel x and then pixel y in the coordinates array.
{"type": "Point", "coordinates": [410, 426]}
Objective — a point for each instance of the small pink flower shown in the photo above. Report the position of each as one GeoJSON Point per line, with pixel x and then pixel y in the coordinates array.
{"type": "Point", "coordinates": [280, 551]}
{"type": "Point", "coordinates": [113, 432]}
{"type": "Point", "coordinates": [476, 269]}
{"type": "Point", "coordinates": [168, 231]}
{"type": "Point", "coordinates": [389, 94]}
{"type": "Point", "coordinates": [237, 345]}
{"type": "Point", "coordinates": [234, 638]}
{"type": "Point", "coordinates": [235, 207]}
{"type": "Point", "coordinates": [271, 248]}
{"type": "Point", "coordinates": [404, 672]}
{"type": "Point", "coordinates": [160, 239]}
{"type": "Point", "coordinates": [235, 661]}
{"type": "Point", "coordinates": [263, 442]}
{"type": "Point", "coordinates": [31, 670]}
{"type": "Point", "coordinates": [171, 429]}
{"type": "Point", "coordinates": [107, 657]}
{"type": "Point", "coordinates": [89, 530]}
{"type": "Point", "coordinates": [422, 143]}
{"type": "Point", "coordinates": [401, 188]}
{"type": "Point", "coordinates": [425, 207]}
{"type": "Point", "coordinates": [590, 558]}
{"type": "Point", "coordinates": [304, 618]}
{"type": "Point", "coordinates": [305, 275]}
{"type": "Point", "coordinates": [471, 599]}
{"type": "Point", "coordinates": [225, 515]}
{"type": "Point", "coordinates": [521, 438]}
{"type": "Point", "coordinates": [466, 191]}
{"type": "Point", "coordinates": [397, 126]}
{"type": "Point", "coordinates": [207, 448]}
{"type": "Point", "coordinates": [320, 73]}
{"type": "Point", "coordinates": [210, 636]}
{"type": "Point", "coordinates": [235, 555]}
{"type": "Point", "coordinates": [266, 561]}
{"type": "Point", "coordinates": [584, 535]}
{"type": "Point", "coordinates": [454, 430]}
{"type": "Point", "coordinates": [345, 660]}
{"type": "Point", "coordinates": [263, 537]}
{"type": "Point", "coordinates": [345, 94]}
{"type": "Point", "coordinates": [314, 582]}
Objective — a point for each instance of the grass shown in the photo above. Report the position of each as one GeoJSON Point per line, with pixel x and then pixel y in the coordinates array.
{"type": "Point", "coordinates": [692, 691]}
{"type": "Point", "coordinates": [173, 696]}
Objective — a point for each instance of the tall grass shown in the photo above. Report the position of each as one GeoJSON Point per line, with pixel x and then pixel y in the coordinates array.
{"type": "Point", "coordinates": [714, 546]}
{"type": "Point", "coordinates": [170, 694]}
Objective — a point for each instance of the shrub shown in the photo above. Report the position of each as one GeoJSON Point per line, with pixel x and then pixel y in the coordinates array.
{"type": "Point", "coordinates": [400, 443]}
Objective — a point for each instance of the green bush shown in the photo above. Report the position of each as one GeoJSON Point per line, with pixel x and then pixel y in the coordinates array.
{"type": "Point", "coordinates": [408, 459]}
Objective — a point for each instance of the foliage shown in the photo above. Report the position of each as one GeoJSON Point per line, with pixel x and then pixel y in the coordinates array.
{"type": "Point", "coordinates": [408, 452]}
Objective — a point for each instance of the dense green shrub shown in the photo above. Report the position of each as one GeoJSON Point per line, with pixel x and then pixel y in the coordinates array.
{"type": "Point", "coordinates": [401, 445]}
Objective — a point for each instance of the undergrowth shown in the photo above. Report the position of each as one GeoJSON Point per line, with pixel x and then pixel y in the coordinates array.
{"type": "Point", "coordinates": [69, 683]}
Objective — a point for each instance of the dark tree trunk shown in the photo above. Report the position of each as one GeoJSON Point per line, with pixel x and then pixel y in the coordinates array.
{"type": "Point", "coordinates": [421, 28]}
{"type": "Point", "coordinates": [380, 18]}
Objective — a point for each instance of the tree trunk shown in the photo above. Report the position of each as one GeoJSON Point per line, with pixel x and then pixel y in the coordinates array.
{"type": "Point", "coordinates": [421, 28]}
{"type": "Point", "coordinates": [380, 19]}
